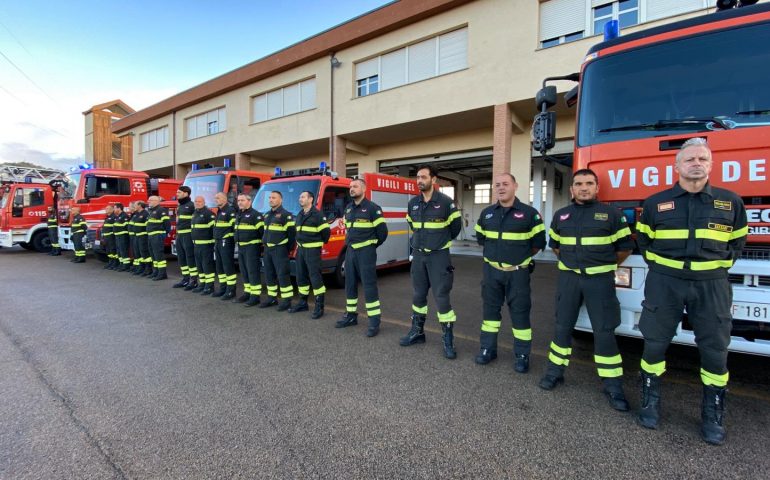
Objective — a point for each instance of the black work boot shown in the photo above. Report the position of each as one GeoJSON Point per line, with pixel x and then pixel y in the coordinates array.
{"type": "Point", "coordinates": [182, 283]}
{"type": "Point", "coordinates": [284, 305]}
{"type": "Point", "coordinates": [243, 298]}
{"type": "Point", "coordinates": [253, 301]}
{"type": "Point", "coordinates": [449, 340]}
{"type": "Point", "coordinates": [147, 270]}
{"type": "Point", "coordinates": [197, 287]}
{"type": "Point", "coordinates": [488, 349]}
{"type": "Point", "coordinates": [271, 302]}
{"type": "Point", "coordinates": [554, 375]}
{"type": "Point", "coordinates": [229, 293]}
{"type": "Point", "coordinates": [712, 414]}
{"type": "Point", "coordinates": [208, 289]}
{"type": "Point", "coordinates": [416, 334]}
{"type": "Point", "coordinates": [192, 285]}
{"type": "Point", "coordinates": [613, 389]}
{"type": "Point", "coordinates": [374, 326]}
{"type": "Point", "coordinates": [222, 290]}
{"type": "Point", "coordinates": [137, 270]}
{"type": "Point", "coordinates": [348, 320]}
{"type": "Point", "coordinates": [521, 362]}
{"type": "Point", "coordinates": [154, 273]}
{"type": "Point", "coordinates": [301, 306]}
{"type": "Point", "coordinates": [161, 275]}
{"type": "Point", "coordinates": [649, 413]}
{"type": "Point", "coordinates": [318, 311]}
{"type": "Point", "coordinates": [56, 251]}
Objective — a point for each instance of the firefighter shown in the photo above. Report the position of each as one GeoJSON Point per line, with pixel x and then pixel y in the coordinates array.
{"type": "Point", "coordinates": [120, 231]}
{"type": "Point", "coordinates": [511, 233]}
{"type": "Point", "coordinates": [108, 237]}
{"type": "Point", "coordinates": [224, 247]}
{"type": "Point", "coordinates": [53, 232]}
{"type": "Point", "coordinates": [435, 222]}
{"type": "Point", "coordinates": [133, 249]}
{"type": "Point", "coordinates": [249, 229]}
{"type": "Point", "coordinates": [690, 235]}
{"type": "Point", "coordinates": [142, 258]}
{"type": "Point", "coordinates": [184, 246]}
{"type": "Point", "coordinates": [202, 226]}
{"type": "Point", "coordinates": [365, 231]}
{"type": "Point", "coordinates": [312, 233]}
{"type": "Point", "coordinates": [78, 229]}
{"type": "Point", "coordinates": [279, 239]}
{"type": "Point", "coordinates": [158, 227]}
{"type": "Point", "coordinates": [590, 239]}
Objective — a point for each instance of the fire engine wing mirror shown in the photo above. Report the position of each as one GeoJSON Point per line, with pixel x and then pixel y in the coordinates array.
{"type": "Point", "coordinates": [91, 184]}
{"type": "Point", "coordinates": [545, 98]}
{"type": "Point", "coordinates": [571, 97]}
{"type": "Point", "coordinates": [544, 131]}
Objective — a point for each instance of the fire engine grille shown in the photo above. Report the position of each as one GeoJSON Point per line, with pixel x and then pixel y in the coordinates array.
{"type": "Point", "coordinates": [91, 236]}
{"type": "Point", "coordinates": [756, 252]}
{"type": "Point", "coordinates": [762, 280]}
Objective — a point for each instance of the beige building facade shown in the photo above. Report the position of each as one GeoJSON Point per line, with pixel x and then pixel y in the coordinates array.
{"type": "Point", "coordinates": [448, 82]}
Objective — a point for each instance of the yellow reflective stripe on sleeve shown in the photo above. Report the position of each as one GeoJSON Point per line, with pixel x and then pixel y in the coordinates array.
{"type": "Point", "coordinates": [203, 225]}
{"type": "Point", "coordinates": [303, 228]}
{"type": "Point", "coordinates": [250, 242]}
{"type": "Point", "coordinates": [479, 229]}
{"type": "Point", "coordinates": [311, 244]}
{"type": "Point", "coordinates": [278, 228]}
{"type": "Point", "coordinates": [568, 240]}
{"type": "Point", "coordinates": [246, 226]}
{"type": "Point", "coordinates": [663, 261]}
{"type": "Point", "coordinates": [282, 242]}
{"type": "Point", "coordinates": [378, 221]}
{"type": "Point", "coordinates": [452, 216]}
{"type": "Point", "coordinates": [184, 217]}
{"type": "Point", "coordinates": [623, 232]}
{"type": "Point", "coordinates": [644, 228]}
{"type": "Point", "coordinates": [741, 232]}
{"type": "Point", "coordinates": [203, 242]}
{"type": "Point", "coordinates": [714, 379]}
{"type": "Point", "coordinates": [491, 326]}
{"type": "Point", "coordinates": [654, 368]}
{"type": "Point", "coordinates": [710, 265]}
{"type": "Point", "coordinates": [554, 235]}
{"type": "Point", "coordinates": [364, 243]}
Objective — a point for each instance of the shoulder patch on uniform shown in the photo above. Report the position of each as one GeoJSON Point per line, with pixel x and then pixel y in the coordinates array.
{"type": "Point", "coordinates": [537, 217]}
{"type": "Point", "coordinates": [518, 214]}
{"type": "Point", "coordinates": [601, 216]}
{"type": "Point", "coordinates": [564, 216]}
{"type": "Point", "coordinates": [379, 212]}
{"type": "Point", "coordinates": [723, 204]}
{"type": "Point", "coordinates": [288, 217]}
{"type": "Point", "coordinates": [452, 205]}
{"type": "Point", "coordinates": [666, 206]}
{"type": "Point", "coordinates": [415, 207]}
{"type": "Point", "coordinates": [488, 215]}
{"type": "Point", "coordinates": [347, 211]}
{"type": "Point", "coordinates": [323, 218]}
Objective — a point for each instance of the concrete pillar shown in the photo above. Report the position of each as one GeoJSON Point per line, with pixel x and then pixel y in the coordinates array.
{"type": "Point", "coordinates": [537, 184]}
{"type": "Point", "coordinates": [181, 171]}
{"type": "Point", "coordinates": [501, 142]}
{"type": "Point", "coordinates": [550, 193]}
{"type": "Point", "coordinates": [242, 161]}
{"type": "Point", "coordinates": [339, 155]}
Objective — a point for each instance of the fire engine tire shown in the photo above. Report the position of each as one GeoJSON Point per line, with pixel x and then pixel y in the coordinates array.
{"type": "Point", "coordinates": [26, 246]}
{"type": "Point", "coordinates": [339, 272]}
{"type": "Point", "coordinates": [41, 242]}
{"type": "Point", "coordinates": [101, 256]}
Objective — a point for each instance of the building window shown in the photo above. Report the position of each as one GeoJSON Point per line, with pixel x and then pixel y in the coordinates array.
{"type": "Point", "coordinates": [205, 124]}
{"type": "Point", "coordinates": [626, 12]}
{"type": "Point", "coordinates": [288, 100]}
{"type": "Point", "coordinates": [117, 152]}
{"type": "Point", "coordinates": [570, 37]}
{"type": "Point", "coordinates": [419, 61]}
{"type": "Point", "coordinates": [449, 191]}
{"type": "Point", "coordinates": [482, 193]}
{"type": "Point", "coordinates": [151, 140]}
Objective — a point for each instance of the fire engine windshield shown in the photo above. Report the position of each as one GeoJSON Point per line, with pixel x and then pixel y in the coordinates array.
{"type": "Point", "coordinates": [71, 184]}
{"type": "Point", "coordinates": [290, 191]}
{"type": "Point", "coordinates": [707, 82]}
{"type": "Point", "coordinates": [206, 186]}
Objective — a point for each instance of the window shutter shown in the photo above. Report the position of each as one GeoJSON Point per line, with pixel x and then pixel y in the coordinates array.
{"type": "Point", "coordinates": [274, 104]}
{"type": "Point", "coordinates": [657, 9]}
{"type": "Point", "coordinates": [307, 94]}
{"type": "Point", "coordinates": [191, 128]}
{"type": "Point", "coordinates": [367, 69]}
{"type": "Point", "coordinates": [201, 128]}
{"type": "Point", "coordinates": [222, 119]}
{"type": "Point", "coordinates": [422, 60]}
{"type": "Point", "coordinates": [561, 17]}
{"type": "Point", "coordinates": [393, 69]}
{"type": "Point", "coordinates": [260, 108]}
{"type": "Point", "coordinates": [291, 99]}
{"type": "Point", "coordinates": [453, 51]}
{"type": "Point", "coordinates": [145, 142]}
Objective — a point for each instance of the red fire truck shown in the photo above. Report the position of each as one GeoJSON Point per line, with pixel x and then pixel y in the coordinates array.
{"type": "Point", "coordinates": [640, 97]}
{"type": "Point", "coordinates": [332, 195]}
{"type": "Point", "coordinates": [25, 195]}
{"type": "Point", "coordinates": [92, 189]}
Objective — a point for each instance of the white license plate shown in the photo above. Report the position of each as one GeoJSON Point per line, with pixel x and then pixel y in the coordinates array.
{"type": "Point", "coordinates": [751, 311]}
{"type": "Point", "coordinates": [97, 242]}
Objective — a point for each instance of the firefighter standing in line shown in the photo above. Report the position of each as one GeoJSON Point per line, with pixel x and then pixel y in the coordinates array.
{"type": "Point", "coordinates": [249, 229]}
{"type": "Point", "coordinates": [279, 239]}
{"type": "Point", "coordinates": [158, 227]}
{"type": "Point", "coordinates": [108, 237]}
{"type": "Point", "coordinates": [435, 222]}
{"type": "Point", "coordinates": [690, 235]}
{"type": "Point", "coordinates": [202, 225]}
{"type": "Point", "coordinates": [53, 232]}
{"type": "Point", "coordinates": [591, 239]}
{"type": "Point", "coordinates": [142, 258]}
{"type": "Point", "coordinates": [120, 232]}
{"type": "Point", "coordinates": [133, 248]}
{"type": "Point", "coordinates": [511, 233]}
{"type": "Point", "coordinates": [365, 231]}
{"type": "Point", "coordinates": [312, 233]}
{"type": "Point", "coordinates": [185, 253]}
{"type": "Point", "coordinates": [224, 247]}
{"type": "Point", "coordinates": [78, 229]}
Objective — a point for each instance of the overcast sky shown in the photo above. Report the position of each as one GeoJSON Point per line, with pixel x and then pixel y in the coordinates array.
{"type": "Point", "coordinates": [57, 59]}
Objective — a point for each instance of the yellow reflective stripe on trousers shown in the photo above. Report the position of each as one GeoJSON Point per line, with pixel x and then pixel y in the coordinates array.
{"type": "Point", "coordinates": [447, 317]}
{"type": "Point", "coordinates": [491, 326]}
{"type": "Point", "coordinates": [351, 306]}
{"type": "Point", "coordinates": [524, 334]}
{"type": "Point", "coordinates": [420, 310]}
{"type": "Point", "coordinates": [557, 360]}
{"type": "Point", "coordinates": [653, 368]}
{"type": "Point", "coordinates": [613, 360]}
{"type": "Point", "coordinates": [714, 379]}
{"type": "Point", "coordinates": [561, 350]}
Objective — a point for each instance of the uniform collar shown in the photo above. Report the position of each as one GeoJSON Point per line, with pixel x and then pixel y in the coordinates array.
{"type": "Point", "coordinates": [433, 197]}
{"type": "Point", "coordinates": [516, 204]}
{"type": "Point", "coordinates": [707, 192]}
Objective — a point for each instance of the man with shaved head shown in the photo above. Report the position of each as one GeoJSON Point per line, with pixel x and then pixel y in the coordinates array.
{"type": "Point", "coordinates": [158, 226]}
{"type": "Point", "coordinates": [224, 247]}
{"type": "Point", "coordinates": [202, 225]}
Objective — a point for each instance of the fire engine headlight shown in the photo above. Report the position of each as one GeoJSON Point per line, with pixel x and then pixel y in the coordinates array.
{"type": "Point", "coordinates": [623, 277]}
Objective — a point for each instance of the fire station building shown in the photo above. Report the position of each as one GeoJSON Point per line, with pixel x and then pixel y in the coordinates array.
{"type": "Point", "coordinates": [448, 82]}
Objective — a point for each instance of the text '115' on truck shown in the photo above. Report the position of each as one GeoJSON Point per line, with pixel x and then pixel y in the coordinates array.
{"type": "Point", "coordinates": [332, 195]}
{"type": "Point", "coordinates": [639, 98]}
{"type": "Point", "coordinates": [26, 193]}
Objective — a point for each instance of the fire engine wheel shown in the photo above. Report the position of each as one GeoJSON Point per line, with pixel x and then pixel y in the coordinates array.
{"type": "Point", "coordinates": [26, 246]}
{"type": "Point", "coordinates": [339, 272]}
{"type": "Point", "coordinates": [41, 242]}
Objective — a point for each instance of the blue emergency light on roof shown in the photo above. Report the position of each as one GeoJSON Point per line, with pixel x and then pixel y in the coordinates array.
{"type": "Point", "coordinates": [277, 171]}
{"type": "Point", "coordinates": [85, 166]}
{"type": "Point", "coordinates": [195, 167]}
{"type": "Point", "coordinates": [323, 166]}
{"type": "Point", "coordinates": [73, 169]}
{"type": "Point", "coordinates": [28, 179]}
{"type": "Point", "coordinates": [611, 30]}
{"type": "Point", "coordinates": [227, 163]}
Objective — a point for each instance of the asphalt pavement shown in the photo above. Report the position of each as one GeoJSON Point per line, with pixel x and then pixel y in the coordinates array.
{"type": "Point", "coordinates": [107, 375]}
